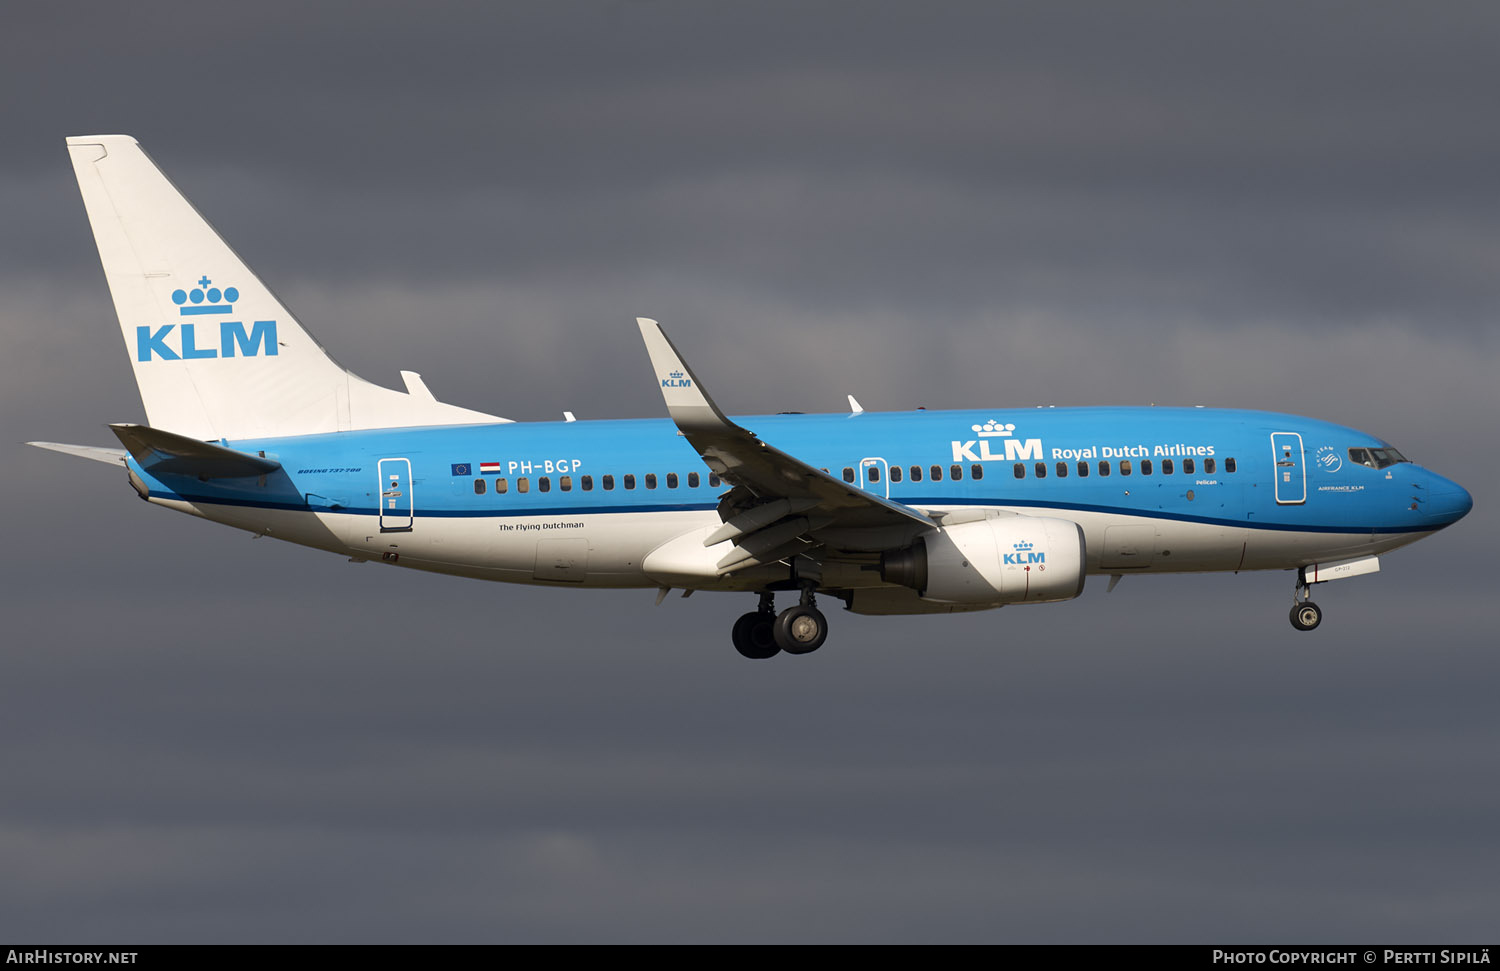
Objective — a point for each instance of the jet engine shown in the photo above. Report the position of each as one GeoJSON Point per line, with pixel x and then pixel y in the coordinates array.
{"type": "Point", "coordinates": [1021, 559]}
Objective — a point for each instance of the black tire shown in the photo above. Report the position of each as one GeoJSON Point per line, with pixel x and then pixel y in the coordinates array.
{"type": "Point", "coordinates": [754, 636]}
{"type": "Point", "coordinates": [1306, 615]}
{"type": "Point", "coordinates": [801, 630]}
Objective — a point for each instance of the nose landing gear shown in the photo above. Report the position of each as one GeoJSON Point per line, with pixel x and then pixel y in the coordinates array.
{"type": "Point", "coordinates": [1305, 615]}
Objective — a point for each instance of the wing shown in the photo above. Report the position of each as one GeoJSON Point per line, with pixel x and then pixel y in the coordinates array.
{"type": "Point", "coordinates": [780, 505]}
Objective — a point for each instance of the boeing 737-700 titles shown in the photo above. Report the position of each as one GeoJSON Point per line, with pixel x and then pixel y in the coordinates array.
{"type": "Point", "coordinates": [253, 425]}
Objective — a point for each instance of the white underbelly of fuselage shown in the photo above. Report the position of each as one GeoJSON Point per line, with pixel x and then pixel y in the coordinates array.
{"type": "Point", "coordinates": [607, 550]}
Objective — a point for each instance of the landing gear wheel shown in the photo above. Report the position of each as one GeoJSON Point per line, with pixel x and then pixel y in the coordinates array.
{"type": "Point", "coordinates": [754, 636]}
{"type": "Point", "coordinates": [1306, 615]}
{"type": "Point", "coordinates": [801, 629]}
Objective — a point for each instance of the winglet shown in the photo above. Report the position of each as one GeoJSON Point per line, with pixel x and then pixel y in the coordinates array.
{"type": "Point", "coordinates": [687, 402]}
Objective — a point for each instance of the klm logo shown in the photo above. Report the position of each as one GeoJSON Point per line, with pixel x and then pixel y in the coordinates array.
{"type": "Point", "coordinates": [1013, 449]}
{"type": "Point", "coordinates": [185, 342]}
{"type": "Point", "coordinates": [1023, 555]}
{"type": "Point", "coordinates": [676, 380]}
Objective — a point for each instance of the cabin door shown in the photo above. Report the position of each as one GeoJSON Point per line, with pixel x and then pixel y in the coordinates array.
{"type": "Point", "coordinates": [1291, 472]}
{"type": "Point", "coordinates": [395, 495]}
{"type": "Point", "coordinates": [875, 476]}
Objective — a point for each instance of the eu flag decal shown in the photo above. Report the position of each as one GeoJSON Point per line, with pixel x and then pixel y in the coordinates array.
{"type": "Point", "coordinates": [462, 468]}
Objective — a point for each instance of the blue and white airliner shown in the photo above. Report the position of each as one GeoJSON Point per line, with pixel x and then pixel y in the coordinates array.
{"type": "Point", "coordinates": [253, 425]}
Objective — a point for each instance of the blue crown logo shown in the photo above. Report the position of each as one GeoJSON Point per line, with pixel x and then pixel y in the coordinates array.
{"type": "Point", "coordinates": [1021, 547]}
{"type": "Point", "coordinates": [204, 299]}
{"type": "Point", "coordinates": [992, 428]}
{"type": "Point", "coordinates": [676, 374]}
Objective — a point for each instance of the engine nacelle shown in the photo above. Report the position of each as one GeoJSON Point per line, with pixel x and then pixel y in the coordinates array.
{"type": "Point", "coordinates": [1020, 559]}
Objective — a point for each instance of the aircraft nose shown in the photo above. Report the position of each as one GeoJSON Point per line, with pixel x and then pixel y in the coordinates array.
{"type": "Point", "coordinates": [1449, 501]}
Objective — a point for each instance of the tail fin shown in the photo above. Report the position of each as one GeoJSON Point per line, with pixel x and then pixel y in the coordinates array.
{"type": "Point", "coordinates": [215, 353]}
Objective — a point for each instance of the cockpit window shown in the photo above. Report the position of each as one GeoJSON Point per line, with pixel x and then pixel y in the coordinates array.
{"type": "Point", "coordinates": [1376, 458]}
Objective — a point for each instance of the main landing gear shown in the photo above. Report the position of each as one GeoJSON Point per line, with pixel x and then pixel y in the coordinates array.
{"type": "Point", "coordinates": [797, 630]}
{"type": "Point", "coordinates": [1305, 614]}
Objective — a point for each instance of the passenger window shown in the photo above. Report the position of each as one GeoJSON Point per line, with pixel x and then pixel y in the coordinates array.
{"type": "Point", "coordinates": [1062, 470]}
{"type": "Point", "coordinates": [1083, 470]}
{"type": "Point", "coordinates": [523, 484]}
{"type": "Point", "coordinates": [1188, 467]}
{"type": "Point", "coordinates": [1145, 466]}
{"type": "Point", "coordinates": [608, 482]}
{"type": "Point", "coordinates": [916, 473]}
{"type": "Point", "coordinates": [587, 482]}
{"type": "Point", "coordinates": [544, 484]}
{"type": "Point", "coordinates": [1104, 468]}
{"type": "Point", "coordinates": [629, 481]}
{"type": "Point", "coordinates": [565, 483]}
{"type": "Point", "coordinates": [1229, 465]}
{"type": "Point", "coordinates": [1166, 466]}
{"type": "Point", "coordinates": [872, 472]}
{"type": "Point", "coordinates": [1041, 470]}
{"type": "Point", "coordinates": [955, 472]}
{"type": "Point", "coordinates": [650, 480]}
{"type": "Point", "coordinates": [895, 473]}
{"type": "Point", "coordinates": [1020, 470]}
{"type": "Point", "coordinates": [1208, 466]}
{"type": "Point", "coordinates": [977, 471]}
{"type": "Point", "coordinates": [1124, 466]}
{"type": "Point", "coordinates": [500, 487]}
{"type": "Point", "coordinates": [937, 473]}
{"type": "Point", "coordinates": [713, 480]}
{"type": "Point", "coordinates": [848, 474]}
{"type": "Point", "coordinates": [478, 487]}
{"type": "Point", "coordinates": [693, 480]}
{"type": "Point", "coordinates": [671, 480]}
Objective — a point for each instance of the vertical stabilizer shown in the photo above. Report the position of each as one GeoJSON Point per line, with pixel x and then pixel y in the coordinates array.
{"type": "Point", "coordinates": [215, 354]}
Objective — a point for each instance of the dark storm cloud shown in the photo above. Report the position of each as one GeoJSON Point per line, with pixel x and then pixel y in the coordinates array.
{"type": "Point", "coordinates": [210, 737]}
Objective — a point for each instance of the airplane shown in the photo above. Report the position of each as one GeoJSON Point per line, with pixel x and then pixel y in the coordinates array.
{"type": "Point", "coordinates": [253, 425]}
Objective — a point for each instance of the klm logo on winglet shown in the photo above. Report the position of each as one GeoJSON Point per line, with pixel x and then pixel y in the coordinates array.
{"type": "Point", "coordinates": [1024, 554]}
{"type": "Point", "coordinates": [180, 342]}
{"type": "Point", "coordinates": [676, 379]}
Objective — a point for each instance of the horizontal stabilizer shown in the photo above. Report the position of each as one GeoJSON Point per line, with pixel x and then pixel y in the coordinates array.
{"type": "Point", "coordinates": [114, 456]}
{"type": "Point", "coordinates": [167, 453]}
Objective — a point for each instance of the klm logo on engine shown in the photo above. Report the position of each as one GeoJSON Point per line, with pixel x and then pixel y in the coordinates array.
{"type": "Point", "coordinates": [1014, 450]}
{"type": "Point", "coordinates": [1023, 555]}
{"type": "Point", "coordinates": [676, 380]}
{"type": "Point", "coordinates": [186, 342]}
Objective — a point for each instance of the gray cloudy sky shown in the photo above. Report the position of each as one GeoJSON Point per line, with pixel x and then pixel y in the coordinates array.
{"type": "Point", "coordinates": [1284, 206]}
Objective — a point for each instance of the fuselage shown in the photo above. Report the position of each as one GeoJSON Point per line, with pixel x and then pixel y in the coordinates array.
{"type": "Point", "coordinates": [1155, 490]}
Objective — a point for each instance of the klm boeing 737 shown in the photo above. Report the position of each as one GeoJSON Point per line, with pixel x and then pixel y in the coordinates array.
{"type": "Point", "coordinates": [253, 425]}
